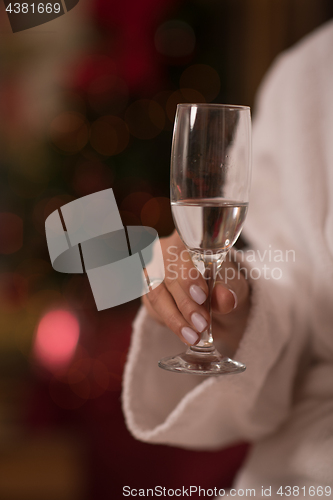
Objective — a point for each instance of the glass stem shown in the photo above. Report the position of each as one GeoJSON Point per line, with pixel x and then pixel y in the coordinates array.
{"type": "Point", "coordinates": [206, 342]}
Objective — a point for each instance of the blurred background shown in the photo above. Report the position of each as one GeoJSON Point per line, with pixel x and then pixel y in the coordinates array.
{"type": "Point", "coordinates": [87, 102]}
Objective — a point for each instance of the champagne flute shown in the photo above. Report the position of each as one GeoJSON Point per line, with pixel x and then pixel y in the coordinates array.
{"type": "Point", "coordinates": [210, 184]}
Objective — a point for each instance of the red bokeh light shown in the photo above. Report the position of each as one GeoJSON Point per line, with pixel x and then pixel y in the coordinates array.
{"type": "Point", "coordinates": [156, 213]}
{"type": "Point", "coordinates": [56, 339]}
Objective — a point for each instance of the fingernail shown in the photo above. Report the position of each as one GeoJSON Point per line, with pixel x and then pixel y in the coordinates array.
{"type": "Point", "coordinates": [189, 335]}
{"type": "Point", "coordinates": [197, 294]}
{"type": "Point", "coordinates": [235, 297]}
{"type": "Point", "coordinates": [199, 322]}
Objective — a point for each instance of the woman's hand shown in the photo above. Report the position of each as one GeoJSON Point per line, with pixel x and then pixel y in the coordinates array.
{"type": "Point", "coordinates": [179, 302]}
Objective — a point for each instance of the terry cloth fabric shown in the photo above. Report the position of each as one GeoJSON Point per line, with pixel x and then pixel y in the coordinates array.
{"type": "Point", "coordinates": [283, 402]}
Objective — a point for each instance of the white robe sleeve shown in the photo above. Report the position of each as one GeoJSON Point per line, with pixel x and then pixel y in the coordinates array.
{"type": "Point", "coordinates": [198, 412]}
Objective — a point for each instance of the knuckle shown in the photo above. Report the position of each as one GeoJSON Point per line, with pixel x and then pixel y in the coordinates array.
{"type": "Point", "coordinates": [170, 280]}
{"type": "Point", "coordinates": [184, 305]}
{"type": "Point", "coordinates": [153, 296]}
{"type": "Point", "coordinates": [172, 322]}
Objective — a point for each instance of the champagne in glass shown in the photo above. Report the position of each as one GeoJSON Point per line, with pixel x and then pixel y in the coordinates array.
{"type": "Point", "coordinates": [210, 184]}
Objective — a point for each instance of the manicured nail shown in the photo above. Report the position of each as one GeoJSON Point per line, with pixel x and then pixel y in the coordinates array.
{"type": "Point", "coordinates": [197, 294]}
{"type": "Point", "coordinates": [189, 335]}
{"type": "Point", "coordinates": [235, 297]}
{"type": "Point", "coordinates": [199, 322]}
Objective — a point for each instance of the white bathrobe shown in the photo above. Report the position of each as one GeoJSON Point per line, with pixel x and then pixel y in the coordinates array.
{"type": "Point", "coordinates": [283, 402]}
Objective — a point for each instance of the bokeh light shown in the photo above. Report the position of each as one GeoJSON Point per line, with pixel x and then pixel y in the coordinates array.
{"type": "Point", "coordinates": [69, 132]}
{"type": "Point", "coordinates": [63, 396]}
{"type": "Point", "coordinates": [56, 339]}
{"type": "Point", "coordinates": [131, 206]}
{"type": "Point", "coordinates": [162, 99]}
{"type": "Point", "coordinates": [88, 378]}
{"type": "Point", "coordinates": [156, 213]}
{"type": "Point", "coordinates": [129, 219]}
{"type": "Point", "coordinates": [91, 177]}
{"type": "Point", "coordinates": [109, 135]}
{"type": "Point", "coordinates": [108, 93]}
{"type": "Point", "coordinates": [134, 202]}
{"type": "Point", "coordinates": [203, 78]}
{"type": "Point", "coordinates": [181, 96]}
{"type": "Point", "coordinates": [44, 207]}
{"type": "Point", "coordinates": [34, 271]}
{"type": "Point", "coordinates": [145, 118]}
{"type": "Point", "coordinates": [175, 39]}
{"type": "Point", "coordinates": [123, 186]}
{"type": "Point", "coordinates": [76, 291]}
{"type": "Point", "coordinates": [30, 169]}
{"type": "Point", "coordinates": [73, 101]}
{"type": "Point", "coordinates": [92, 68]}
{"type": "Point", "coordinates": [26, 318]}
{"type": "Point", "coordinates": [11, 233]}
{"type": "Point", "coordinates": [114, 361]}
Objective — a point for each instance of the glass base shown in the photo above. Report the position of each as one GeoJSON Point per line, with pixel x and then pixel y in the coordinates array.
{"type": "Point", "coordinates": [209, 362]}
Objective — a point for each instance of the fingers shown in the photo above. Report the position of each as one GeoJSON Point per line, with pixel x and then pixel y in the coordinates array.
{"type": "Point", "coordinates": [179, 301]}
{"type": "Point", "coordinates": [179, 269]}
{"type": "Point", "coordinates": [162, 307]}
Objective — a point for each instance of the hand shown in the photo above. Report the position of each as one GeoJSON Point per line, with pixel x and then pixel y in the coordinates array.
{"type": "Point", "coordinates": [179, 301]}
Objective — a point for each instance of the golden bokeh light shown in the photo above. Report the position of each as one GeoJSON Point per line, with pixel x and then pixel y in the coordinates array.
{"type": "Point", "coordinates": [156, 213]}
{"type": "Point", "coordinates": [181, 96]}
{"type": "Point", "coordinates": [73, 101]}
{"type": "Point", "coordinates": [129, 218]}
{"type": "Point", "coordinates": [44, 207]}
{"type": "Point", "coordinates": [134, 202]}
{"type": "Point", "coordinates": [109, 135]}
{"type": "Point", "coordinates": [150, 213]}
{"type": "Point", "coordinates": [108, 92]}
{"type": "Point", "coordinates": [91, 177]}
{"type": "Point", "coordinates": [145, 118]}
{"type": "Point", "coordinates": [162, 99]}
{"type": "Point", "coordinates": [30, 169]}
{"type": "Point", "coordinates": [69, 132]}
